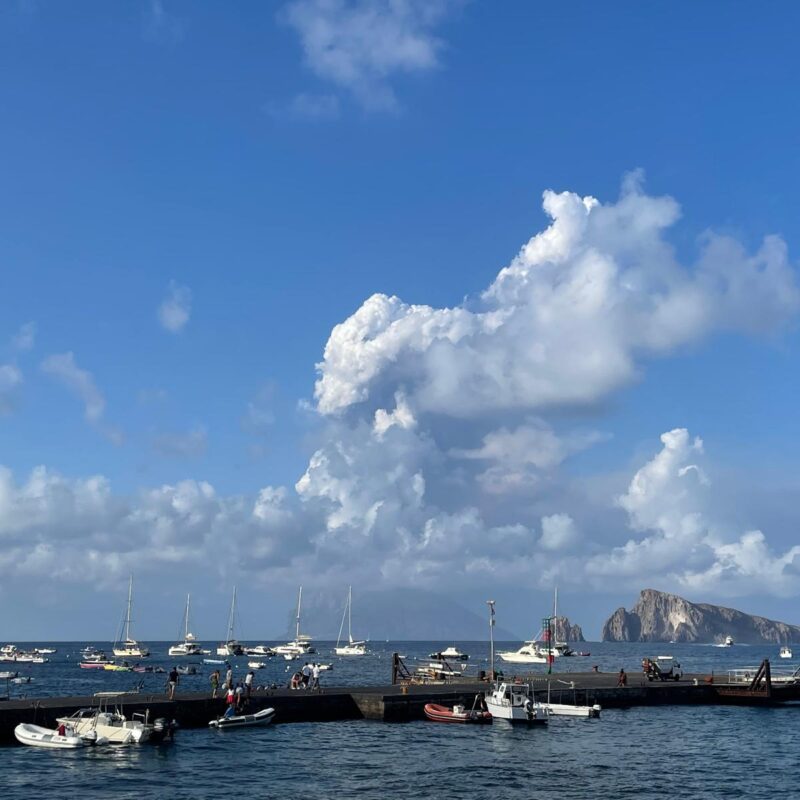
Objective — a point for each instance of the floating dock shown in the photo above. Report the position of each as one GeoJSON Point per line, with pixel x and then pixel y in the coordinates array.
{"type": "Point", "coordinates": [405, 702]}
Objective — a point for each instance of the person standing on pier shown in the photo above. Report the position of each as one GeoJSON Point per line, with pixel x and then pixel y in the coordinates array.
{"type": "Point", "coordinates": [306, 671]}
{"type": "Point", "coordinates": [622, 679]}
{"type": "Point", "coordinates": [172, 681]}
{"type": "Point", "coordinates": [214, 682]}
{"type": "Point", "coordinates": [229, 678]}
{"type": "Point", "coordinates": [315, 676]}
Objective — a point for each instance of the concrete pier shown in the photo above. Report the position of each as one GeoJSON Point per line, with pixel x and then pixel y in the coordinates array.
{"type": "Point", "coordinates": [395, 703]}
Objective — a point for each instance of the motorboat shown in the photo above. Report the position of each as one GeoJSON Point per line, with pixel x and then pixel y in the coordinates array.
{"type": "Point", "coordinates": [44, 651]}
{"type": "Point", "coordinates": [786, 652]}
{"type": "Point", "coordinates": [189, 645]}
{"type": "Point", "coordinates": [111, 725]}
{"type": "Point", "coordinates": [260, 650]}
{"type": "Point", "coordinates": [256, 664]}
{"type": "Point", "coordinates": [95, 662]}
{"type": "Point", "coordinates": [231, 647]}
{"type": "Point", "coordinates": [728, 642]}
{"type": "Point", "coordinates": [459, 714]}
{"type": "Point", "coordinates": [437, 671]}
{"type": "Point", "coordinates": [450, 652]}
{"type": "Point", "coordinates": [129, 647]}
{"type": "Point", "coordinates": [301, 644]}
{"type": "Point", "coordinates": [353, 647]}
{"type": "Point", "coordinates": [8, 650]}
{"type": "Point", "coordinates": [215, 661]}
{"type": "Point", "coordinates": [514, 702]}
{"type": "Point", "coordinates": [22, 679]}
{"type": "Point", "coordinates": [186, 669]}
{"type": "Point", "coordinates": [7, 676]}
{"type": "Point", "coordinates": [529, 653]}
{"type": "Point", "coordinates": [263, 717]}
{"type": "Point", "coordinates": [64, 738]}
{"type": "Point", "coordinates": [114, 667]}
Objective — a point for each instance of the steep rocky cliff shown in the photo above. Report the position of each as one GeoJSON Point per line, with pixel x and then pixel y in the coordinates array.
{"type": "Point", "coordinates": [661, 617]}
{"type": "Point", "coordinates": [566, 632]}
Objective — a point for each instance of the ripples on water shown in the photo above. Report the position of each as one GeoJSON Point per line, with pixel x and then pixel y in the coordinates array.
{"type": "Point", "coordinates": [670, 752]}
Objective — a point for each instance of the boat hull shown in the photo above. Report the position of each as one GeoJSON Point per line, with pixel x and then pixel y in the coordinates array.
{"type": "Point", "coordinates": [263, 717]}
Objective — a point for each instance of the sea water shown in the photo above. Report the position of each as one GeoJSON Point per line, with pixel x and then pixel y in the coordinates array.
{"type": "Point", "coordinates": [657, 752]}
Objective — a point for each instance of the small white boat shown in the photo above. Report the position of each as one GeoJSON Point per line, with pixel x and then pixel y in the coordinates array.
{"type": "Point", "coordinates": [259, 650]}
{"type": "Point", "coordinates": [214, 661]}
{"type": "Point", "coordinates": [22, 679]}
{"type": "Point", "coordinates": [529, 653]}
{"type": "Point", "coordinates": [514, 702]}
{"type": "Point", "coordinates": [256, 664]}
{"type": "Point", "coordinates": [8, 650]}
{"type": "Point", "coordinates": [786, 652]}
{"type": "Point", "coordinates": [44, 651]}
{"type": "Point", "coordinates": [36, 736]}
{"type": "Point", "coordinates": [7, 676]}
{"type": "Point", "coordinates": [263, 717]}
{"type": "Point", "coordinates": [450, 652]}
{"type": "Point", "coordinates": [727, 643]}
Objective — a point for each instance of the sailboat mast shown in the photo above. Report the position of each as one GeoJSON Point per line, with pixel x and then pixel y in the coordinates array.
{"type": "Point", "coordinates": [186, 620]}
{"type": "Point", "coordinates": [555, 614]}
{"type": "Point", "coordinates": [128, 614]}
{"type": "Point", "coordinates": [297, 619]}
{"type": "Point", "coordinates": [233, 613]}
{"type": "Point", "coordinates": [350, 613]}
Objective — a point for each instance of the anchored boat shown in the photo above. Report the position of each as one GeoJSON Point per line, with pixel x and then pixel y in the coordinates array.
{"type": "Point", "coordinates": [231, 646]}
{"type": "Point", "coordinates": [263, 717]}
{"type": "Point", "coordinates": [189, 645]}
{"type": "Point", "coordinates": [301, 645]}
{"type": "Point", "coordinates": [459, 714]}
{"type": "Point", "coordinates": [130, 648]}
{"type": "Point", "coordinates": [352, 648]}
{"type": "Point", "coordinates": [514, 702]}
{"type": "Point", "coordinates": [64, 738]}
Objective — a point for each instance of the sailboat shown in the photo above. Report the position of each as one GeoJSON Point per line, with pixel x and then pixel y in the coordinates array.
{"type": "Point", "coordinates": [559, 648]}
{"type": "Point", "coordinates": [230, 647]}
{"type": "Point", "coordinates": [352, 648]}
{"type": "Point", "coordinates": [130, 648]}
{"type": "Point", "coordinates": [301, 645]}
{"type": "Point", "coordinates": [189, 647]}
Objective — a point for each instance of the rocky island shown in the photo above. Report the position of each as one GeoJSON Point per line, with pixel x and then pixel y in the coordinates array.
{"type": "Point", "coordinates": [661, 617]}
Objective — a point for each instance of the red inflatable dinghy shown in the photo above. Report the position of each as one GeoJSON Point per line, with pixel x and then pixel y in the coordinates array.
{"type": "Point", "coordinates": [457, 714]}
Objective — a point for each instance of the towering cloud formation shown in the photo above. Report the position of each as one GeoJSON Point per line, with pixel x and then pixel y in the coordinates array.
{"type": "Point", "coordinates": [444, 431]}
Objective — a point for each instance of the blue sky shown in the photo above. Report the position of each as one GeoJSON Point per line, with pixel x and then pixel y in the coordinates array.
{"type": "Point", "coordinates": [268, 167]}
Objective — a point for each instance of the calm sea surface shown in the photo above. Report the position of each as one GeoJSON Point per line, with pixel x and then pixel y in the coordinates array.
{"type": "Point", "coordinates": [642, 753]}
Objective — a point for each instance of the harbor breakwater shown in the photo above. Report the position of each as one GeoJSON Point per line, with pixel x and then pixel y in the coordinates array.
{"type": "Point", "coordinates": [398, 703]}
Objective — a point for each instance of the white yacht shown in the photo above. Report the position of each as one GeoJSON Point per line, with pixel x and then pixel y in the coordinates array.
{"type": "Point", "coordinates": [450, 652]}
{"type": "Point", "coordinates": [189, 645]}
{"type": "Point", "coordinates": [301, 644]}
{"type": "Point", "coordinates": [786, 652]}
{"type": "Point", "coordinates": [514, 702]}
{"type": "Point", "coordinates": [129, 647]}
{"type": "Point", "coordinates": [231, 647]}
{"type": "Point", "coordinates": [727, 643]}
{"type": "Point", "coordinates": [353, 647]}
{"type": "Point", "coordinates": [529, 653]}
{"type": "Point", "coordinates": [110, 725]}
{"type": "Point", "coordinates": [261, 650]}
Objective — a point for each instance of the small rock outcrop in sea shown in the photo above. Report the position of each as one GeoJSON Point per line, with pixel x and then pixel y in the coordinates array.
{"type": "Point", "coordinates": [661, 617]}
{"type": "Point", "coordinates": [566, 632]}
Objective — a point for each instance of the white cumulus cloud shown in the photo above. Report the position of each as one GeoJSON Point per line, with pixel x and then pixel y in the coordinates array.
{"type": "Point", "coordinates": [566, 323]}
{"type": "Point", "coordinates": [359, 45]}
